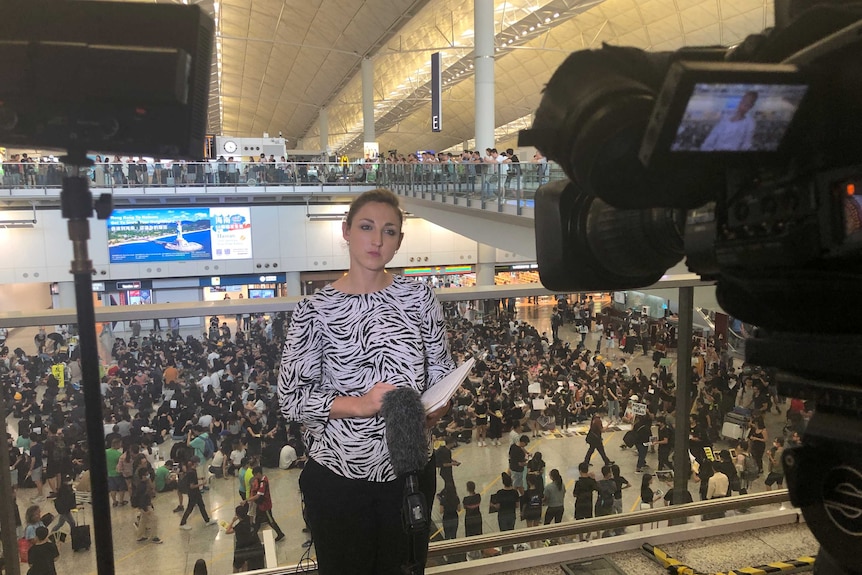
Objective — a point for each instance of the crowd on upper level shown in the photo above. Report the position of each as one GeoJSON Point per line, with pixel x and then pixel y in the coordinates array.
{"type": "Point", "coordinates": [493, 170]}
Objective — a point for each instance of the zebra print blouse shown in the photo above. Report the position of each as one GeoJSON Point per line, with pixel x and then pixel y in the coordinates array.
{"type": "Point", "coordinates": [342, 344]}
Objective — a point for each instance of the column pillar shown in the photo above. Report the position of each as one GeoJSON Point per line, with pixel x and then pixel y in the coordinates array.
{"type": "Point", "coordinates": [487, 261]}
{"type": "Point", "coordinates": [681, 464]}
{"type": "Point", "coordinates": [368, 100]}
{"type": "Point", "coordinates": [323, 125]}
{"type": "Point", "coordinates": [291, 284]}
{"type": "Point", "coordinates": [65, 297]}
{"type": "Point", "coordinates": [483, 29]}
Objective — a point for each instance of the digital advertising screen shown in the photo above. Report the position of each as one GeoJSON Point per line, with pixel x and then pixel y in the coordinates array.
{"type": "Point", "coordinates": [179, 234]}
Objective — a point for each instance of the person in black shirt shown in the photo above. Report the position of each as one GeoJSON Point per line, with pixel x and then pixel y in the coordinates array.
{"type": "Point", "coordinates": [472, 511]}
{"type": "Point", "coordinates": [505, 501]}
{"type": "Point", "coordinates": [450, 505]}
{"type": "Point", "coordinates": [583, 493]}
{"type": "Point", "coordinates": [42, 554]}
{"type": "Point", "coordinates": [248, 553]}
{"type": "Point", "coordinates": [664, 443]}
{"type": "Point", "coordinates": [194, 485]}
{"type": "Point", "coordinates": [445, 461]}
{"type": "Point", "coordinates": [517, 463]}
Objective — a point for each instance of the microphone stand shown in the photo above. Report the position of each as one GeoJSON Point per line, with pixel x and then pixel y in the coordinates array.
{"type": "Point", "coordinates": [77, 206]}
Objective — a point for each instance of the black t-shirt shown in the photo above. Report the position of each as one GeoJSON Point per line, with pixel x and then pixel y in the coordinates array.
{"type": "Point", "coordinates": [666, 432]}
{"type": "Point", "coordinates": [507, 499]}
{"type": "Point", "coordinates": [474, 499]}
{"type": "Point", "coordinates": [41, 559]}
{"type": "Point", "coordinates": [246, 535]}
{"type": "Point", "coordinates": [36, 454]}
{"type": "Point", "coordinates": [443, 456]}
{"type": "Point", "coordinates": [531, 504]}
{"type": "Point", "coordinates": [516, 457]}
{"type": "Point", "coordinates": [450, 506]}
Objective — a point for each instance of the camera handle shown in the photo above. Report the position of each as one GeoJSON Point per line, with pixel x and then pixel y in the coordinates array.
{"type": "Point", "coordinates": [824, 476]}
{"type": "Point", "coordinates": [77, 206]}
{"type": "Point", "coordinates": [414, 514]}
{"type": "Point", "coordinates": [824, 473]}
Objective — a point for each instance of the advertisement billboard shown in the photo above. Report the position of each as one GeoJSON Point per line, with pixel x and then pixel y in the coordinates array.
{"type": "Point", "coordinates": [178, 234]}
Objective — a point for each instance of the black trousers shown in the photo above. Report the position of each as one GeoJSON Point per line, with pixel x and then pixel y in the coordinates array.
{"type": "Point", "coordinates": [266, 517]}
{"type": "Point", "coordinates": [195, 499]}
{"type": "Point", "coordinates": [356, 525]}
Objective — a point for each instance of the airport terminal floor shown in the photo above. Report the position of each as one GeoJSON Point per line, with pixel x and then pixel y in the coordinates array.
{"type": "Point", "coordinates": [482, 465]}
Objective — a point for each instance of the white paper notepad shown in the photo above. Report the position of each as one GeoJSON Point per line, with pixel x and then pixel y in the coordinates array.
{"type": "Point", "coordinates": [440, 393]}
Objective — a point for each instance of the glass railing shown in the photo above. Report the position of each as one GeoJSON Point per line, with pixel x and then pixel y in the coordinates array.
{"type": "Point", "coordinates": [485, 185]}
{"type": "Point", "coordinates": [171, 410]}
{"type": "Point", "coordinates": [480, 180]}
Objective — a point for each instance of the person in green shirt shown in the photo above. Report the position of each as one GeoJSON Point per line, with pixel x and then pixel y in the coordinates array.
{"type": "Point", "coordinates": [116, 482]}
{"type": "Point", "coordinates": [164, 481]}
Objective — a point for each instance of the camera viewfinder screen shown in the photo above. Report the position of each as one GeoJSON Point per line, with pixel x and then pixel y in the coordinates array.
{"type": "Point", "coordinates": [853, 210]}
{"type": "Point", "coordinates": [737, 117]}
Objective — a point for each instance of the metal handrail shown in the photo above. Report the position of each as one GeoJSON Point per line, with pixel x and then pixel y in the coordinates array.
{"type": "Point", "coordinates": [606, 523]}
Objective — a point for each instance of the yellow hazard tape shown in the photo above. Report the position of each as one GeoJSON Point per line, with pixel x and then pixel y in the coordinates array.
{"type": "Point", "coordinates": [676, 567]}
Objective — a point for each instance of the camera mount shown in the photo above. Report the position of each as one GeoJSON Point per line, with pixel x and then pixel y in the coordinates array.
{"type": "Point", "coordinates": [824, 473]}
{"type": "Point", "coordinates": [77, 207]}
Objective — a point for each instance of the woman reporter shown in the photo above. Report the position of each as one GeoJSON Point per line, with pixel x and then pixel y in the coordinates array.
{"type": "Point", "coordinates": [347, 346]}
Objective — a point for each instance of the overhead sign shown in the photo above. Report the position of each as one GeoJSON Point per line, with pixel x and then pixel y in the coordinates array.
{"type": "Point", "coordinates": [128, 285]}
{"type": "Point", "coordinates": [436, 93]}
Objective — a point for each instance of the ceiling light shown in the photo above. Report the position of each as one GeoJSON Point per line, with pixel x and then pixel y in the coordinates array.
{"type": "Point", "coordinates": [556, 14]}
{"type": "Point", "coordinates": [548, 19]}
{"type": "Point", "coordinates": [510, 40]}
{"type": "Point", "coordinates": [532, 28]}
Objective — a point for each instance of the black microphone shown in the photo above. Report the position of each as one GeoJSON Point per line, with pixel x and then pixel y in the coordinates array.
{"type": "Point", "coordinates": [404, 415]}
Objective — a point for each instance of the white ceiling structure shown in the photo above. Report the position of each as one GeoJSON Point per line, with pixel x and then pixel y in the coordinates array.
{"type": "Point", "coordinates": [279, 62]}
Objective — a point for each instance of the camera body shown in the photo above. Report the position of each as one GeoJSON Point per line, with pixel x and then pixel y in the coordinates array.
{"type": "Point", "coordinates": [748, 164]}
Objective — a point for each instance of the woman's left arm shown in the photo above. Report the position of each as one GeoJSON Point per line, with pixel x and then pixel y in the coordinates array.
{"type": "Point", "coordinates": [438, 357]}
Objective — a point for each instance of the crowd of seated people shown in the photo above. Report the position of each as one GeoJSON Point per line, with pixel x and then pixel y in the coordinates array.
{"type": "Point", "coordinates": [166, 397]}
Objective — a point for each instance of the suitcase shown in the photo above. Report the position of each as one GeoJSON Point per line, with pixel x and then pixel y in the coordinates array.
{"type": "Point", "coordinates": [81, 532]}
{"type": "Point", "coordinates": [737, 418]}
{"type": "Point", "coordinates": [731, 430]}
{"type": "Point", "coordinates": [81, 537]}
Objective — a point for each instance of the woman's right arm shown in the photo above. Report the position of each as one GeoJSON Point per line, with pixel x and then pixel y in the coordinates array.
{"type": "Point", "coordinates": [303, 395]}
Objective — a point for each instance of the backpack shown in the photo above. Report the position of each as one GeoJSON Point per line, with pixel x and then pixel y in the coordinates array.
{"type": "Point", "coordinates": [209, 448]}
{"type": "Point", "coordinates": [605, 497]}
{"type": "Point", "coordinates": [749, 468]}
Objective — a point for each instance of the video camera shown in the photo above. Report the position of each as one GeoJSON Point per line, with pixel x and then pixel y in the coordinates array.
{"type": "Point", "coordinates": [746, 162]}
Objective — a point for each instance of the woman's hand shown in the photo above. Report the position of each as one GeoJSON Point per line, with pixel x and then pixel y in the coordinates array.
{"type": "Point", "coordinates": [370, 403]}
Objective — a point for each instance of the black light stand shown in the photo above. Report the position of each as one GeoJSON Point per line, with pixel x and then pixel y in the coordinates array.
{"type": "Point", "coordinates": [77, 206]}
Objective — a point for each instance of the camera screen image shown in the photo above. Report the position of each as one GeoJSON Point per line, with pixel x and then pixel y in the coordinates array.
{"type": "Point", "coordinates": [737, 117]}
{"type": "Point", "coordinates": [853, 213]}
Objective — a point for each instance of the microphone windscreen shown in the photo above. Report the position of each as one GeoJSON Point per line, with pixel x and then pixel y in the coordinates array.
{"type": "Point", "coordinates": [404, 416]}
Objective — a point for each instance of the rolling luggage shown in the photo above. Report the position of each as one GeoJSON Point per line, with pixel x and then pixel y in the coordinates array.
{"type": "Point", "coordinates": [81, 532]}
{"type": "Point", "coordinates": [738, 419]}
